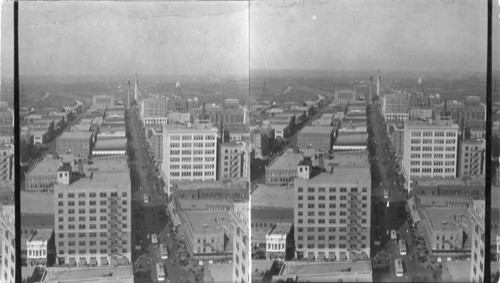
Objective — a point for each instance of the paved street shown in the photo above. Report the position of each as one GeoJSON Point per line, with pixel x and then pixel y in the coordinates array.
{"type": "Point", "coordinates": [385, 219]}
{"type": "Point", "coordinates": [258, 172]}
{"type": "Point", "coordinates": [150, 218]}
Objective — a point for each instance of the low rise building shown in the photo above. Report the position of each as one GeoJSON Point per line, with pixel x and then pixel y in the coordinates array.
{"type": "Point", "coordinates": [111, 274]}
{"type": "Point", "coordinates": [276, 241]}
{"type": "Point", "coordinates": [40, 246]}
{"type": "Point", "coordinates": [351, 141]}
{"type": "Point", "coordinates": [307, 271]}
{"type": "Point", "coordinates": [283, 169]}
{"type": "Point", "coordinates": [319, 138]}
{"type": "Point", "coordinates": [107, 147]}
{"type": "Point", "coordinates": [77, 143]}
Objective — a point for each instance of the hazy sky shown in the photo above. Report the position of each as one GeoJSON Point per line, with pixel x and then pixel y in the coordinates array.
{"type": "Point", "coordinates": [114, 38]}
{"type": "Point", "coordinates": [366, 35]}
{"type": "Point", "coordinates": [101, 38]}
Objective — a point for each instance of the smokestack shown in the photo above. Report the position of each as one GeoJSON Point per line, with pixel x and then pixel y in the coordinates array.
{"type": "Point", "coordinates": [136, 87]}
{"type": "Point", "coordinates": [378, 83]}
{"type": "Point", "coordinates": [222, 131]}
{"type": "Point", "coordinates": [371, 89]}
{"type": "Point", "coordinates": [445, 107]}
{"type": "Point", "coordinates": [203, 112]}
{"type": "Point", "coordinates": [128, 95]}
{"type": "Point", "coordinates": [463, 128]}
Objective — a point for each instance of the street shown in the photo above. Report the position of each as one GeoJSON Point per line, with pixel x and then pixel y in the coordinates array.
{"type": "Point", "coordinates": [150, 218]}
{"type": "Point", "coordinates": [390, 214]}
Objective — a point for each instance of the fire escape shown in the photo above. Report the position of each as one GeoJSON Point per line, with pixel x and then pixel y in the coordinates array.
{"type": "Point", "coordinates": [233, 166]}
{"type": "Point", "coordinates": [475, 163]}
{"type": "Point", "coordinates": [114, 227]}
{"type": "Point", "coordinates": [355, 228]}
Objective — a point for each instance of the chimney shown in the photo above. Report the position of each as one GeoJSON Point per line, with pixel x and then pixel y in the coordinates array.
{"type": "Point", "coordinates": [203, 112]}
{"type": "Point", "coordinates": [222, 130]}
{"type": "Point", "coordinates": [371, 89]}
{"type": "Point", "coordinates": [445, 107]}
{"type": "Point", "coordinates": [320, 161]}
{"type": "Point", "coordinates": [463, 129]}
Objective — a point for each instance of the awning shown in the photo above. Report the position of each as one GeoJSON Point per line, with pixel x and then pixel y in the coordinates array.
{"type": "Point", "coordinates": [177, 222]}
{"type": "Point", "coordinates": [72, 261]}
{"type": "Point", "coordinates": [104, 260]}
{"type": "Point", "coordinates": [321, 256]}
{"type": "Point", "coordinates": [93, 261]}
{"type": "Point", "coordinates": [413, 210]}
{"type": "Point", "coordinates": [310, 255]}
{"type": "Point", "coordinates": [332, 256]}
{"type": "Point", "coordinates": [82, 261]}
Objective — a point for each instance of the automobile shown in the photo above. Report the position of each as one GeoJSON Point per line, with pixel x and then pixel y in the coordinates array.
{"type": "Point", "coordinates": [394, 235]}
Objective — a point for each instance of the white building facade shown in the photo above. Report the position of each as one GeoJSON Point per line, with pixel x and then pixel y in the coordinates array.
{"type": "Point", "coordinates": [189, 153]}
{"type": "Point", "coordinates": [430, 150]}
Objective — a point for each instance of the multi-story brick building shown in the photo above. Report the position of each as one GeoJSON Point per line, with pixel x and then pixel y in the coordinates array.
{"type": "Point", "coordinates": [345, 95]}
{"type": "Point", "coordinates": [154, 110]}
{"type": "Point", "coordinates": [103, 101]}
{"type": "Point", "coordinates": [78, 143]}
{"type": "Point", "coordinates": [430, 149]}
{"type": "Point", "coordinates": [332, 211]}
{"type": "Point", "coordinates": [6, 163]}
{"type": "Point", "coordinates": [93, 215]}
{"type": "Point", "coordinates": [472, 158]}
{"type": "Point", "coordinates": [232, 160]}
{"type": "Point", "coordinates": [320, 138]}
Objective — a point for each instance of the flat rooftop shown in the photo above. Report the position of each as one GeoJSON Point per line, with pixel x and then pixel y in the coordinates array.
{"type": "Point", "coordinates": [342, 175]}
{"type": "Point", "coordinates": [204, 221]}
{"type": "Point", "coordinates": [281, 229]}
{"type": "Point", "coordinates": [188, 185]}
{"type": "Point", "coordinates": [317, 268]}
{"type": "Point", "coordinates": [41, 235]}
{"type": "Point", "coordinates": [37, 202]}
{"type": "Point", "coordinates": [111, 144]}
{"type": "Point", "coordinates": [101, 181]}
{"type": "Point", "coordinates": [279, 127]}
{"type": "Point", "coordinates": [286, 161]}
{"type": "Point", "coordinates": [444, 218]}
{"type": "Point", "coordinates": [351, 139]}
{"type": "Point", "coordinates": [441, 200]}
{"type": "Point", "coordinates": [272, 196]}
{"type": "Point", "coordinates": [317, 130]}
{"type": "Point", "coordinates": [429, 182]}
{"type": "Point", "coordinates": [272, 213]}
{"type": "Point", "coordinates": [79, 135]}
{"type": "Point", "coordinates": [202, 204]}
{"type": "Point", "coordinates": [103, 164]}
{"type": "Point", "coordinates": [98, 274]}
{"type": "Point", "coordinates": [48, 166]}
{"type": "Point", "coordinates": [349, 158]}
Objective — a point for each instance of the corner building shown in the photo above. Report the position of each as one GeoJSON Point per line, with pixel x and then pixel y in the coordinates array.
{"type": "Point", "coordinates": [332, 211]}
{"type": "Point", "coordinates": [189, 152]}
{"type": "Point", "coordinates": [430, 150]}
{"type": "Point", "coordinates": [93, 217]}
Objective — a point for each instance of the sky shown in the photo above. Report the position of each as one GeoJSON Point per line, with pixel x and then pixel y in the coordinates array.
{"type": "Point", "coordinates": [413, 35]}
{"type": "Point", "coordinates": [122, 38]}
{"type": "Point", "coordinates": [116, 38]}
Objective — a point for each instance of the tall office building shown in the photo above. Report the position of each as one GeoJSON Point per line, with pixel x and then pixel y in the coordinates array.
{"type": "Point", "coordinates": [154, 111]}
{"type": "Point", "coordinates": [332, 210]}
{"type": "Point", "coordinates": [189, 152]}
{"type": "Point", "coordinates": [241, 243]}
{"type": "Point", "coordinates": [430, 149]}
{"type": "Point", "coordinates": [395, 107]}
{"type": "Point", "coordinates": [6, 163]}
{"type": "Point", "coordinates": [93, 214]}
{"type": "Point", "coordinates": [8, 244]}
